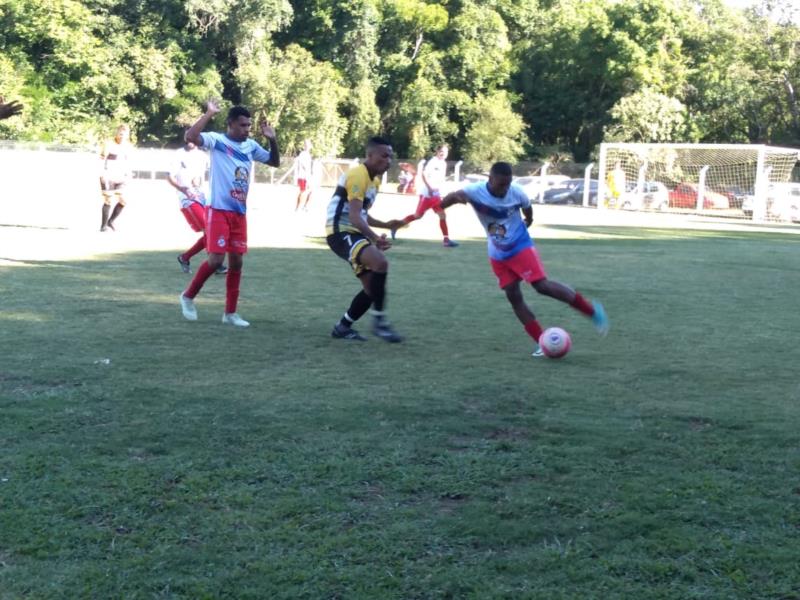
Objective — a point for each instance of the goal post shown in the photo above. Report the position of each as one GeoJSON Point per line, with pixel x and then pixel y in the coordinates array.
{"type": "Point", "coordinates": [734, 180]}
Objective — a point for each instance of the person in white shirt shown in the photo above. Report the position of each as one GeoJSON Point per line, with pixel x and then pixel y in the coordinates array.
{"type": "Point", "coordinates": [115, 156]}
{"type": "Point", "coordinates": [433, 176]}
{"type": "Point", "coordinates": [303, 167]}
{"type": "Point", "coordinates": [187, 176]}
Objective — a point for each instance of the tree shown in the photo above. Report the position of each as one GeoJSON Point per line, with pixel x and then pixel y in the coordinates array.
{"type": "Point", "coordinates": [496, 132]}
{"type": "Point", "coordinates": [648, 116]}
{"type": "Point", "coordinates": [299, 95]}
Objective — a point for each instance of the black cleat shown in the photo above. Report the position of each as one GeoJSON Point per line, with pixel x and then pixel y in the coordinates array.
{"type": "Point", "coordinates": [346, 333]}
{"type": "Point", "coordinates": [384, 330]}
{"type": "Point", "coordinates": [184, 265]}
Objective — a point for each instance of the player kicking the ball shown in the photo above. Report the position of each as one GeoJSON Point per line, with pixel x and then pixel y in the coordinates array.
{"type": "Point", "coordinates": [512, 254]}
{"type": "Point", "coordinates": [350, 236]}
{"type": "Point", "coordinates": [232, 155]}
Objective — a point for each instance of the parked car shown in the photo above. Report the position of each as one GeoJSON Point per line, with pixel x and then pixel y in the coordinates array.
{"type": "Point", "coordinates": [535, 184]}
{"type": "Point", "coordinates": [685, 196]}
{"type": "Point", "coordinates": [571, 192]}
{"type": "Point", "coordinates": [783, 202]}
{"type": "Point", "coordinates": [736, 195]}
{"type": "Point", "coordinates": [654, 196]}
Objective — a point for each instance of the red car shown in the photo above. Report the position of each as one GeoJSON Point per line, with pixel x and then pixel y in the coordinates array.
{"type": "Point", "coordinates": [685, 196]}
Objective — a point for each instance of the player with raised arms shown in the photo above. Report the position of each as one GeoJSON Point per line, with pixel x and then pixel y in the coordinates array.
{"type": "Point", "coordinates": [499, 206]}
{"type": "Point", "coordinates": [350, 235]}
{"type": "Point", "coordinates": [231, 155]}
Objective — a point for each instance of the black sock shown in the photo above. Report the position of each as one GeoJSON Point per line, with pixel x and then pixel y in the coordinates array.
{"type": "Point", "coordinates": [106, 210]}
{"type": "Point", "coordinates": [378, 291]}
{"type": "Point", "coordinates": [360, 304]}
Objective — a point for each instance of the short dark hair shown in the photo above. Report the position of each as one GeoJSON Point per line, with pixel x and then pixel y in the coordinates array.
{"type": "Point", "coordinates": [377, 140]}
{"type": "Point", "coordinates": [501, 168]}
{"type": "Point", "coordinates": [237, 111]}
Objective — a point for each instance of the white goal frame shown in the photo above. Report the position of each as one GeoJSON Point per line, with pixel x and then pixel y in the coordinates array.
{"type": "Point", "coordinates": [703, 167]}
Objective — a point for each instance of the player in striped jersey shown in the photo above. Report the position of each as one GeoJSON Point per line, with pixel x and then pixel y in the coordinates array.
{"type": "Point", "coordinates": [351, 237]}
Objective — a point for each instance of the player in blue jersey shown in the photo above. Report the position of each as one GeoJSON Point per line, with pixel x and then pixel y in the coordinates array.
{"type": "Point", "coordinates": [231, 155]}
{"type": "Point", "coordinates": [500, 206]}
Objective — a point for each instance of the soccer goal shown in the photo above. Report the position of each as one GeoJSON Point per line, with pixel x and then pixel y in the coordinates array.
{"type": "Point", "coordinates": [735, 180]}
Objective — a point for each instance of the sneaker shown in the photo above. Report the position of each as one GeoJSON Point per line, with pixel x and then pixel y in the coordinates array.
{"type": "Point", "coordinates": [234, 319]}
{"type": "Point", "coordinates": [188, 308]}
{"type": "Point", "coordinates": [448, 243]}
{"type": "Point", "coordinates": [537, 352]}
{"type": "Point", "coordinates": [221, 270]}
{"type": "Point", "coordinates": [384, 330]}
{"type": "Point", "coordinates": [600, 318]}
{"type": "Point", "coordinates": [346, 333]}
{"type": "Point", "coordinates": [184, 264]}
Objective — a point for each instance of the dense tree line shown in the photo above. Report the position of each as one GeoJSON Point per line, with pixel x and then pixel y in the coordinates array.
{"type": "Point", "coordinates": [494, 78]}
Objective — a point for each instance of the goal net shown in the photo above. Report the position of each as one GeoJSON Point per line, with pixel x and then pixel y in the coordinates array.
{"type": "Point", "coordinates": [736, 180]}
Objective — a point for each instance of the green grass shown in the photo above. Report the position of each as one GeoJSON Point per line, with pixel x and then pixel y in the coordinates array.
{"type": "Point", "coordinates": [275, 462]}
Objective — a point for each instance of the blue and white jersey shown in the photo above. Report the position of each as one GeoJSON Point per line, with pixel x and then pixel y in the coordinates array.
{"type": "Point", "coordinates": [501, 218]}
{"type": "Point", "coordinates": [231, 163]}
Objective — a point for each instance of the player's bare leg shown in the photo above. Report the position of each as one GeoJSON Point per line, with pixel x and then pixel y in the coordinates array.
{"type": "Point", "coordinates": [592, 309]}
{"type": "Point", "coordinates": [524, 314]}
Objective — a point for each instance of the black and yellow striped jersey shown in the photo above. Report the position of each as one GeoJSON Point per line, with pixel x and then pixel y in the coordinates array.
{"type": "Point", "coordinates": [355, 184]}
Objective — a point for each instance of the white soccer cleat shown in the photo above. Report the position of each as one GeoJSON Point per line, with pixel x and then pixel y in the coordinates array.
{"type": "Point", "coordinates": [188, 308]}
{"type": "Point", "coordinates": [537, 351]}
{"type": "Point", "coordinates": [234, 319]}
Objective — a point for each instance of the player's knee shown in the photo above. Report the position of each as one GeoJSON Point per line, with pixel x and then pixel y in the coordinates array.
{"type": "Point", "coordinates": [542, 286]}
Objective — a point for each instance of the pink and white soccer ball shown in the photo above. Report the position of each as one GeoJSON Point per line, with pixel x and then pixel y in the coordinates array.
{"type": "Point", "coordinates": [555, 342]}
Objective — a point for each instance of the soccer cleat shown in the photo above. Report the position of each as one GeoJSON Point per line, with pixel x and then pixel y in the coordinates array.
{"type": "Point", "coordinates": [184, 264]}
{"type": "Point", "coordinates": [221, 270]}
{"type": "Point", "coordinates": [234, 319]}
{"type": "Point", "coordinates": [448, 243]}
{"type": "Point", "coordinates": [188, 308]}
{"type": "Point", "coordinates": [384, 330]}
{"type": "Point", "coordinates": [600, 318]}
{"type": "Point", "coordinates": [537, 352]}
{"type": "Point", "coordinates": [111, 226]}
{"type": "Point", "coordinates": [346, 333]}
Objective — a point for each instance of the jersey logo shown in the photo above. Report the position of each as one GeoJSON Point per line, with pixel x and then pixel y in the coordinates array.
{"type": "Point", "coordinates": [221, 242]}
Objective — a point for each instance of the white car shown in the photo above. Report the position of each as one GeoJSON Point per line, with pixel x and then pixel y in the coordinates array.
{"type": "Point", "coordinates": [783, 202]}
{"type": "Point", "coordinates": [654, 196]}
{"type": "Point", "coordinates": [535, 185]}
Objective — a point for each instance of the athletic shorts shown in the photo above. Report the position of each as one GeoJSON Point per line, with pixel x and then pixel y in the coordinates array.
{"type": "Point", "coordinates": [349, 246]}
{"type": "Point", "coordinates": [427, 202]}
{"type": "Point", "coordinates": [226, 231]}
{"type": "Point", "coordinates": [195, 215]}
{"type": "Point", "coordinates": [525, 265]}
{"type": "Point", "coordinates": [302, 184]}
{"type": "Point", "coordinates": [111, 186]}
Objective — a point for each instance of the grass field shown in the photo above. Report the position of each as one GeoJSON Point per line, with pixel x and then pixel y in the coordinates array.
{"type": "Point", "coordinates": [143, 456]}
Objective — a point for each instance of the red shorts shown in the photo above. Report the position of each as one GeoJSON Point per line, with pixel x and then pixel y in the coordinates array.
{"type": "Point", "coordinates": [427, 202]}
{"type": "Point", "coordinates": [195, 215]}
{"type": "Point", "coordinates": [525, 265]}
{"type": "Point", "coordinates": [226, 231]}
{"type": "Point", "coordinates": [302, 184]}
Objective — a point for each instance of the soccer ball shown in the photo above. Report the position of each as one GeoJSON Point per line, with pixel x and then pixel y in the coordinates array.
{"type": "Point", "coordinates": [555, 342]}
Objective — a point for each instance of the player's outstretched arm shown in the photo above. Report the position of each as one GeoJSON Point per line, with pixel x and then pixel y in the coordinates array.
{"type": "Point", "coordinates": [274, 153]}
{"type": "Point", "coordinates": [393, 224]}
{"type": "Point", "coordinates": [193, 133]}
{"type": "Point", "coordinates": [457, 197]}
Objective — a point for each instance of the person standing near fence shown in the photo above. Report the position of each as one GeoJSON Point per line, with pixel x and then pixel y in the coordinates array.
{"type": "Point", "coordinates": [187, 176]}
{"type": "Point", "coordinates": [232, 155]}
{"type": "Point", "coordinates": [433, 175]}
{"type": "Point", "coordinates": [115, 156]}
{"type": "Point", "coordinates": [303, 171]}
